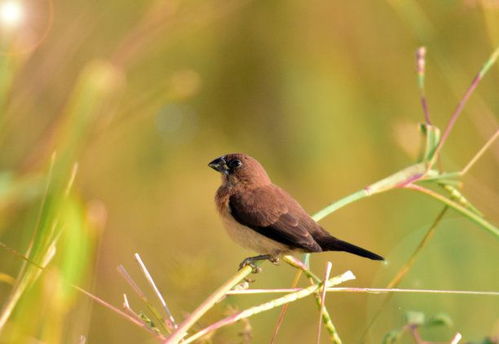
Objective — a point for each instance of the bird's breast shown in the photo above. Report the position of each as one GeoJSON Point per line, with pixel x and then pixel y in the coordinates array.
{"type": "Point", "coordinates": [243, 235]}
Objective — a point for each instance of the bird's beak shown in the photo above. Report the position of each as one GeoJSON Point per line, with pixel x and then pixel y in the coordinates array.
{"type": "Point", "coordinates": [219, 165]}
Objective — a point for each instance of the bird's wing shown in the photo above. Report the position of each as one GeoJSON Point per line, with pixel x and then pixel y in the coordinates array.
{"type": "Point", "coordinates": [273, 213]}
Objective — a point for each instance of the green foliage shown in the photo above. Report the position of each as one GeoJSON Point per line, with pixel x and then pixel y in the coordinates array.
{"type": "Point", "coordinates": [392, 337]}
{"type": "Point", "coordinates": [440, 319]}
{"type": "Point", "coordinates": [415, 318]}
{"type": "Point", "coordinates": [414, 322]}
{"type": "Point", "coordinates": [431, 137]}
{"type": "Point", "coordinates": [61, 232]}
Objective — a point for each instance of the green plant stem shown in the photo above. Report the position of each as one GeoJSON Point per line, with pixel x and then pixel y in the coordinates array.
{"type": "Point", "coordinates": [400, 178]}
{"type": "Point", "coordinates": [459, 109]}
{"type": "Point", "coordinates": [19, 255]}
{"type": "Point", "coordinates": [7, 279]}
{"type": "Point", "coordinates": [420, 65]}
{"type": "Point", "coordinates": [284, 309]}
{"type": "Point", "coordinates": [28, 274]}
{"type": "Point", "coordinates": [340, 204]}
{"type": "Point", "coordinates": [435, 176]}
{"type": "Point", "coordinates": [267, 306]}
{"type": "Point", "coordinates": [217, 295]}
{"type": "Point", "coordinates": [298, 264]}
{"type": "Point", "coordinates": [170, 322]}
{"type": "Point", "coordinates": [405, 269]}
{"type": "Point", "coordinates": [323, 308]}
{"type": "Point", "coordinates": [480, 153]}
{"type": "Point", "coordinates": [457, 338]}
{"type": "Point", "coordinates": [157, 318]}
{"type": "Point", "coordinates": [486, 66]}
{"type": "Point", "coordinates": [469, 214]}
{"type": "Point", "coordinates": [422, 244]}
{"type": "Point", "coordinates": [375, 291]}
{"type": "Point", "coordinates": [129, 317]}
{"type": "Point", "coordinates": [326, 317]}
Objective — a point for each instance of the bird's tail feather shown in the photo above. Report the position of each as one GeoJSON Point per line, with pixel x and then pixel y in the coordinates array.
{"type": "Point", "coordinates": [333, 244]}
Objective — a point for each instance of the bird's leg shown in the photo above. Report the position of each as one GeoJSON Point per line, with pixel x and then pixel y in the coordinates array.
{"type": "Point", "coordinates": [251, 261]}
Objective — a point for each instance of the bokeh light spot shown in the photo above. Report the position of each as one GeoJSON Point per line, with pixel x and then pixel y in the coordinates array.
{"type": "Point", "coordinates": [11, 13]}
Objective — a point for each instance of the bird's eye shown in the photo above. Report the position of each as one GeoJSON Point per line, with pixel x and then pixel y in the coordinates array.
{"type": "Point", "coordinates": [234, 163]}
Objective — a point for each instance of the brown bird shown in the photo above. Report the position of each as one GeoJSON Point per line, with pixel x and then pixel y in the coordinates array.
{"type": "Point", "coordinates": [264, 218]}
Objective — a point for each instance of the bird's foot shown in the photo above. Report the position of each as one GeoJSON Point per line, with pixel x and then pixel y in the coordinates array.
{"type": "Point", "coordinates": [274, 260]}
{"type": "Point", "coordinates": [250, 261]}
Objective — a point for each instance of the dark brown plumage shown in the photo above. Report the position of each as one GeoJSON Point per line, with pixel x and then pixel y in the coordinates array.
{"type": "Point", "coordinates": [263, 217]}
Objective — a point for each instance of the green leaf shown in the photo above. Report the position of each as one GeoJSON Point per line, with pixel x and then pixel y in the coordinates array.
{"type": "Point", "coordinates": [431, 136]}
{"type": "Point", "coordinates": [459, 208]}
{"type": "Point", "coordinates": [392, 337]}
{"type": "Point", "coordinates": [440, 319]}
{"type": "Point", "coordinates": [457, 196]}
{"type": "Point", "coordinates": [397, 178]}
{"type": "Point", "coordinates": [415, 318]}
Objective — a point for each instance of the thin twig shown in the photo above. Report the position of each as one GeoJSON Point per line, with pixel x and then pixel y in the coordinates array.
{"type": "Point", "coordinates": [464, 99]}
{"type": "Point", "coordinates": [326, 317]}
{"type": "Point", "coordinates": [126, 304]}
{"type": "Point", "coordinates": [72, 177]}
{"type": "Point", "coordinates": [7, 279]}
{"type": "Point", "coordinates": [334, 336]}
{"type": "Point", "coordinates": [267, 306]}
{"type": "Point", "coordinates": [397, 180]}
{"type": "Point", "coordinates": [457, 338]}
{"type": "Point", "coordinates": [480, 153]}
{"type": "Point", "coordinates": [323, 300]}
{"type": "Point", "coordinates": [284, 309]}
{"type": "Point", "coordinates": [126, 276]}
{"type": "Point", "coordinates": [128, 309]}
{"type": "Point", "coordinates": [413, 330]}
{"type": "Point", "coordinates": [412, 259]}
{"type": "Point", "coordinates": [404, 270]}
{"type": "Point", "coordinates": [119, 312]}
{"type": "Point", "coordinates": [471, 215]}
{"type": "Point", "coordinates": [20, 255]}
{"type": "Point", "coordinates": [217, 295]}
{"type": "Point", "coordinates": [420, 66]}
{"type": "Point", "coordinates": [149, 278]}
{"type": "Point", "coordinates": [157, 317]}
{"type": "Point", "coordinates": [376, 291]}
{"type": "Point", "coordinates": [298, 264]}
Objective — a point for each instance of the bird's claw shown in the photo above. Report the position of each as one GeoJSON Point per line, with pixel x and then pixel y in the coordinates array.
{"type": "Point", "coordinates": [274, 260]}
{"type": "Point", "coordinates": [250, 262]}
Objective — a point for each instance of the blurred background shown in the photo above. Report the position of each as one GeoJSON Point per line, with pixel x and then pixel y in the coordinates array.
{"type": "Point", "coordinates": [143, 94]}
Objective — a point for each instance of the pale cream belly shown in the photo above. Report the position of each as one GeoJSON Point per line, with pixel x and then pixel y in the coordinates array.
{"type": "Point", "coordinates": [248, 238]}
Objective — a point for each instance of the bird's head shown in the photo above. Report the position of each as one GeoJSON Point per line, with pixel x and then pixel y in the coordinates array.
{"type": "Point", "coordinates": [238, 168]}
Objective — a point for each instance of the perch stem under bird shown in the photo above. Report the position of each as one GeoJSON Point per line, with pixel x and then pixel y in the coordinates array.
{"type": "Point", "coordinates": [262, 217]}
